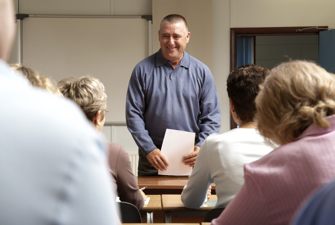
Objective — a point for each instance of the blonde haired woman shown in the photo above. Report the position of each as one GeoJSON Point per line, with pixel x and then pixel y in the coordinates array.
{"type": "Point", "coordinates": [89, 93]}
{"type": "Point", "coordinates": [36, 79]}
{"type": "Point", "coordinates": [295, 109]}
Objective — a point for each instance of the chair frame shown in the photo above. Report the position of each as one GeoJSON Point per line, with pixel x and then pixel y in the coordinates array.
{"type": "Point", "coordinates": [129, 213]}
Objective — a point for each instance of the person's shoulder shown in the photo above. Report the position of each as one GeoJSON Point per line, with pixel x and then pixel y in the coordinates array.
{"type": "Point", "coordinates": [229, 135]}
{"type": "Point", "coordinates": [147, 62]}
{"type": "Point", "coordinates": [234, 136]}
{"type": "Point", "coordinates": [10, 79]}
{"type": "Point", "coordinates": [211, 140]}
{"type": "Point", "coordinates": [197, 68]}
{"type": "Point", "coordinates": [276, 155]}
{"type": "Point", "coordinates": [144, 67]}
{"type": "Point", "coordinates": [49, 125]}
{"type": "Point", "coordinates": [318, 209]}
{"type": "Point", "coordinates": [196, 62]}
{"type": "Point", "coordinates": [61, 117]}
{"type": "Point", "coordinates": [116, 148]}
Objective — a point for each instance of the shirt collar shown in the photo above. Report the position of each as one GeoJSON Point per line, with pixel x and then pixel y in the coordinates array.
{"type": "Point", "coordinates": [160, 61]}
{"type": "Point", "coordinates": [314, 129]}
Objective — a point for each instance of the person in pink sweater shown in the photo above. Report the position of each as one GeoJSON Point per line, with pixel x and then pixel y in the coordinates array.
{"type": "Point", "coordinates": [295, 109]}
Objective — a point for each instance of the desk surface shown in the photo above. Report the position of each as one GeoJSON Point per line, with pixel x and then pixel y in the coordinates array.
{"type": "Point", "coordinates": [162, 182]}
{"type": "Point", "coordinates": [165, 223]}
{"type": "Point", "coordinates": [155, 204]}
{"type": "Point", "coordinates": [174, 203]}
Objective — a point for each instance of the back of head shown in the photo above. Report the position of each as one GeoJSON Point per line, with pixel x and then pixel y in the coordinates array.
{"type": "Point", "coordinates": [295, 95]}
{"type": "Point", "coordinates": [88, 92]}
{"type": "Point", "coordinates": [243, 87]}
{"type": "Point", "coordinates": [37, 80]}
{"type": "Point", "coordinates": [174, 18]}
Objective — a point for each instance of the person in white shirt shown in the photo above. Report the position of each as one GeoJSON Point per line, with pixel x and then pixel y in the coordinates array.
{"type": "Point", "coordinates": [52, 161]}
{"type": "Point", "coordinates": [222, 156]}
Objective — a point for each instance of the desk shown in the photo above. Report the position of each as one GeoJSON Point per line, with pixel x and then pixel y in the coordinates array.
{"type": "Point", "coordinates": [164, 184]}
{"type": "Point", "coordinates": [165, 224]}
{"type": "Point", "coordinates": [172, 205]}
{"type": "Point", "coordinates": [155, 204]}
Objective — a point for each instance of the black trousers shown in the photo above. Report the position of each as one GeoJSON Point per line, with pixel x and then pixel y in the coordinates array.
{"type": "Point", "coordinates": [144, 166]}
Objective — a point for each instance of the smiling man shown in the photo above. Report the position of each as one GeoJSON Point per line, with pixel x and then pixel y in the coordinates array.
{"type": "Point", "coordinates": [170, 90]}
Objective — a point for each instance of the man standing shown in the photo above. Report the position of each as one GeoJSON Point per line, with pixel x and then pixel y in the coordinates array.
{"type": "Point", "coordinates": [170, 90]}
{"type": "Point", "coordinates": [53, 166]}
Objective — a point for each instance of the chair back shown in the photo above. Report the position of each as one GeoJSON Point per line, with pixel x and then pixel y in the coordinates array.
{"type": "Point", "coordinates": [212, 214]}
{"type": "Point", "coordinates": [129, 213]}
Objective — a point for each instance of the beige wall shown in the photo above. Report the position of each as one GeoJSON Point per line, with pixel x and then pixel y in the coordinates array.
{"type": "Point", "coordinates": [273, 13]}
{"type": "Point", "coordinates": [209, 23]}
{"type": "Point", "coordinates": [221, 55]}
{"type": "Point", "coordinates": [86, 7]}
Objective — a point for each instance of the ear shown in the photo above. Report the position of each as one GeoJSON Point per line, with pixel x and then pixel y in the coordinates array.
{"type": "Point", "coordinates": [97, 118]}
{"type": "Point", "coordinates": [188, 37]}
{"type": "Point", "coordinates": [233, 112]}
{"type": "Point", "coordinates": [231, 105]}
{"type": "Point", "coordinates": [159, 36]}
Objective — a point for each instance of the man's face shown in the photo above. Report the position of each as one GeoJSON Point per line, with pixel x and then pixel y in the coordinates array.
{"type": "Point", "coordinates": [173, 39]}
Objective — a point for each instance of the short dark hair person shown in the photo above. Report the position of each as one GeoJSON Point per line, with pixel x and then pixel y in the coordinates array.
{"type": "Point", "coordinates": [243, 87]}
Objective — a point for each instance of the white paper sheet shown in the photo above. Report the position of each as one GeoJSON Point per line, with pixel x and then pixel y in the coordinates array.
{"type": "Point", "coordinates": [176, 145]}
{"type": "Point", "coordinates": [147, 201]}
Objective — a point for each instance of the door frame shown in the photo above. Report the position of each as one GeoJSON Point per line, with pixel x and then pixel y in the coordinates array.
{"type": "Point", "coordinates": [268, 31]}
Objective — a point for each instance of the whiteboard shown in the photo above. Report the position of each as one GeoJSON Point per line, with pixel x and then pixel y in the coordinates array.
{"type": "Point", "coordinates": [106, 48]}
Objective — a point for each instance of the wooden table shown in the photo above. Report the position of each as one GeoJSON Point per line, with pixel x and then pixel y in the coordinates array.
{"type": "Point", "coordinates": [172, 205]}
{"type": "Point", "coordinates": [164, 224]}
{"type": "Point", "coordinates": [164, 184]}
{"type": "Point", "coordinates": [154, 204]}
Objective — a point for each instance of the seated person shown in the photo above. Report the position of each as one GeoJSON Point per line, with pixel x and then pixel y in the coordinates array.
{"type": "Point", "coordinates": [89, 93]}
{"type": "Point", "coordinates": [222, 156]}
{"type": "Point", "coordinates": [319, 209]}
{"type": "Point", "coordinates": [35, 79]}
{"type": "Point", "coordinates": [52, 161]}
{"type": "Point", "coordinates": [295, 109]}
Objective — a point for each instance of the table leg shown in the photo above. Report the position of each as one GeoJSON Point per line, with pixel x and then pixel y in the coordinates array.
{"type": "Point", "coordinates": [167, 217]}
{"type": "Point", "coordinates": [150, 217]}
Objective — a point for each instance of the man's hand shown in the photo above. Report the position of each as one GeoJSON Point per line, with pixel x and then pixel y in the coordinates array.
{"type": "Point", "coordinates": [190, 158]}
{"type": "Point", "coordinates": [157, 159]}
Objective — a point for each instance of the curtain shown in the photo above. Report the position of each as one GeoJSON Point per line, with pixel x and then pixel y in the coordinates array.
{"type": "Point", "coordinates": [244, 50]}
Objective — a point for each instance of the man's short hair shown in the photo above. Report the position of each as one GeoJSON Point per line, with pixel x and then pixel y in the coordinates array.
{"type": "Point", "coordinates": [174, 18]}
{"type": "Point", "coordinates": [243, 87]}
